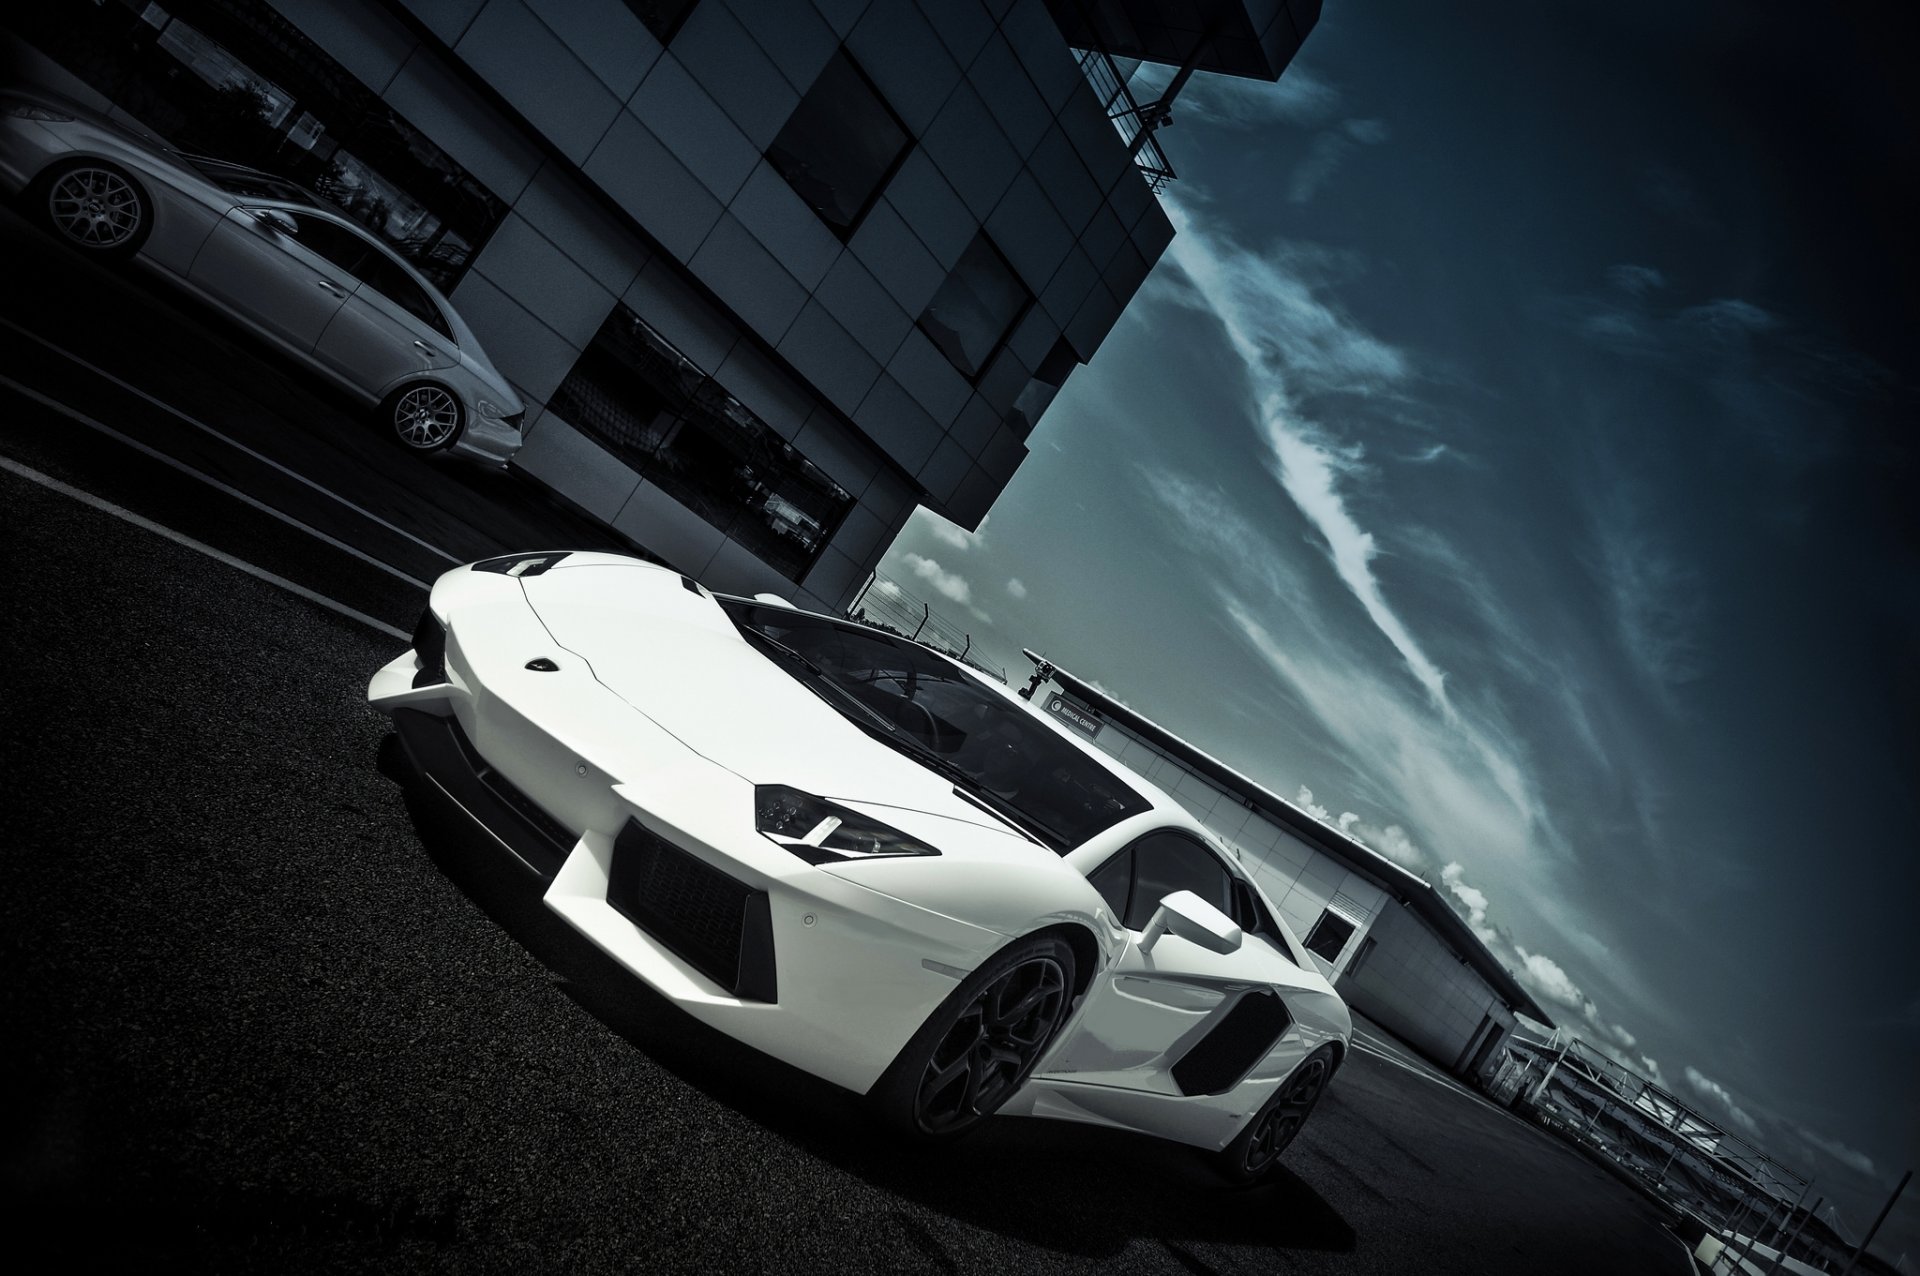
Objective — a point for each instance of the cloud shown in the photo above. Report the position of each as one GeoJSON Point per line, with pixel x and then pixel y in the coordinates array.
{"type": "Point", "coordinates": [1721, 1095]}
{"type": "Point", "coordinates": [1636, 281]}
{"type": "Point", "coordinates": [1300, 97]}
{"type": "Point", "coordinates": [1304, 800]}
{"type": "Point", "coordinates": [1656, 599]}
{"type": "Point", "coordinates": [1474, 899]}
{"type": "Point", "coordinates": [1016, 588]}
{"type": "Point", "coordinates": [949, 533]}
{"type": "Point", "coordinates": [1651, 1067]}
{"type": "Point", "coordinates": [1852, 1158]}
{"type": "Point", "coordinates": [1544, 976]}
{"type": "Point", "coordinates": [949, 585]}
{"type": "Point", "coordinates": [1329, 149]}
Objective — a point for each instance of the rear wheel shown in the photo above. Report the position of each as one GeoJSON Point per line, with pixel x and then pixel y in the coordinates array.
{"type": "Point", "coordinates": [1257, 1148]}
{"type": "Point", "coordinates": [94, 206]}
{"type": "Point", "coordinates": [978, 1048]}
{"type": "Point", "coordinates": [423, 416]}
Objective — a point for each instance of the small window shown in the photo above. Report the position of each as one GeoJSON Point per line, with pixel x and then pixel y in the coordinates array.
{"type": "Point", "coordinates": [975, 309]}
{"type": "Point", "coordinates": [1329, 935]}
{"type": "Point", "coordinates": [840, 145]}
{"type": "Point", "coordinates": [387, 277]}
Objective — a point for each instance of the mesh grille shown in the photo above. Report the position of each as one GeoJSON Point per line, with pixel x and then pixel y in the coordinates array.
{"type": "Point", "coordinates": [698, 912]}
{"type": "Point", "coordinates": [1215, 1063]}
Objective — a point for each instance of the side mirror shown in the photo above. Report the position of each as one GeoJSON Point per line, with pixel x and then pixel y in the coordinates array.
{"type": "Point", "coordinates": [1193, 919]}
{"type": "Point", "coordinates": [272, 219]}
{"type": "Point", "coordinates": [773, 600]}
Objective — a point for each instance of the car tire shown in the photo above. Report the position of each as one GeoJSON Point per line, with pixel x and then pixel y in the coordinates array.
{"type": "Point", "coordinates": [975, 1051]}
{"type": "Point", "coordinates": [96, 207]}
{"type": "Point", "coordinates": [1254, 1151]}
{"type": "Point", "coordinates": [422, 416]}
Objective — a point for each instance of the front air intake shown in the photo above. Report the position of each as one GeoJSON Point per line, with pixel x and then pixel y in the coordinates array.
{"type": "Point", "coordinates": [720, 926]}
{"type": "Point", "coordinates": [1217, 1062]}
{"type": "Point", "coordinates": [430, 647]}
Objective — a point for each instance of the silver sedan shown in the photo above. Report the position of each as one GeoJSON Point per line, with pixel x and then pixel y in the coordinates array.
{"type": "Point", "coordinates": [307, 279]}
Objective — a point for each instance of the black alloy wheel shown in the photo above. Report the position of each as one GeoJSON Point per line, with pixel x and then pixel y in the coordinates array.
{"type": "Point", "coordinates": [977, 1049]}
{"type": "Point", "coordinates": [95, 206]}
{"type": "Point", "coordinates": [423, 416]}
{"type": "Point", "coordinates": [1257, 1148]}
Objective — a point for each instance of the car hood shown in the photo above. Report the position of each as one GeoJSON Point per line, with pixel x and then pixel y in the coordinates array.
{"type": "Point", "coordinates": [672, 655]}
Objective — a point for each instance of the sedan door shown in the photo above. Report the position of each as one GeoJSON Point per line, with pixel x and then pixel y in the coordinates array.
{"type": "Point", "coordinates": [389, 329]}
{"type": "Point", "coordinates": [285, 273]}
{"type": "Point", "coordinates": [1171, 1019]}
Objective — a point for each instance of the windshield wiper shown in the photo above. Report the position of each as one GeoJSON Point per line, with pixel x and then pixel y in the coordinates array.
{"type": "Point", "coordinates": [820, 675]}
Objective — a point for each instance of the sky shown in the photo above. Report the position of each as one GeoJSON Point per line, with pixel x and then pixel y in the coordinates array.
{"type": "Point", "coordinates": [1511, 459]}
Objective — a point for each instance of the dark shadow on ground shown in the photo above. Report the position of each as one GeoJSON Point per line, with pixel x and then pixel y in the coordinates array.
{"type": "Point", "coordinates": [1072, 1188]}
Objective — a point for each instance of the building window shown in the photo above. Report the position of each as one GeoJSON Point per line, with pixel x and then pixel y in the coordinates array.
{"type": "Point", "coordinates": [662, 17]}
{"type": "Point", "coordinates": [238, 82]}
{"type": "Point", "coordinates": [975, 309]}
{"type": "Point", "coordinates": [1329, 935]}
{"type": "Point", "coordinates": [840, 145]}
{"type": "Point", "coordinates": [653, 408]}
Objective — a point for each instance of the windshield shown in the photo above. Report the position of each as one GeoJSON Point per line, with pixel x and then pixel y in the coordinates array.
{"type": "Point", "coordinates": [995, 749]}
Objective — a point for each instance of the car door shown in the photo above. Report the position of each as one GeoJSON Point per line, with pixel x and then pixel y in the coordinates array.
{"type": "Point", "coordinates": [390, 328]}
{"type": "Point", "coordinates": [1177, 1019]}
{"type": "Point", "coordinates": [285, 273]}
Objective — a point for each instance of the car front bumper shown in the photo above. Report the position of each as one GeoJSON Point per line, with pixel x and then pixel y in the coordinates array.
{"type": "Point", "coordinates": [831, 977]}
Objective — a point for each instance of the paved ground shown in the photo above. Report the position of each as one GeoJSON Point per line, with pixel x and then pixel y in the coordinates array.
{"type": "Point", "coordinates": [261, 1013]}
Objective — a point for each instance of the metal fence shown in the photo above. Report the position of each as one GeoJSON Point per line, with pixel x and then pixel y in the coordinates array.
{"type": "Point", "coordinates": [887, 604]}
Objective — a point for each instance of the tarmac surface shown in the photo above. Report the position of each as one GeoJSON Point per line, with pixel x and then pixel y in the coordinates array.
{"type": "Point", "coordinates": [262, 1011]}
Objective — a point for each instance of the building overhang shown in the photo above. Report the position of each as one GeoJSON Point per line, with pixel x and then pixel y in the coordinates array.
{"type": "Point", "coordinates": [1254, 39]}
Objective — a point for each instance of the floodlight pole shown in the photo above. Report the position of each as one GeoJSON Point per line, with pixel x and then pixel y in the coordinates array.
{"type": "Point", "coordinates": [1885, 1210]}
{"type": "Point", "coordinates": [1781, 1257]}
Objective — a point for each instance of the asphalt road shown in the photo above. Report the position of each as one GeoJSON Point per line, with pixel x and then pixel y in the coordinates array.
{"type": "Point", "coordinates": [261, 1012]}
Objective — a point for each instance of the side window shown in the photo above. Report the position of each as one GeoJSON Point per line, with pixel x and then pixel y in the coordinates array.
{"type": "Point", "coordinates": [383, 274]}
{"type": "Point", "coordinates": [1329, 935]}
{"type": "Point", "coordinates": [1114, 881]}
{"type": "Point", "coordinates": [335, 243]}
{"type": "Point", "coordinates": [840, 145]}
{"type": "Point", "coordinates": [1167, 862]}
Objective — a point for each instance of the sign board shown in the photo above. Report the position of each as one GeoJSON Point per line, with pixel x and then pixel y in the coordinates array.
{"type": "Point", "coordinates": [1080, 718]}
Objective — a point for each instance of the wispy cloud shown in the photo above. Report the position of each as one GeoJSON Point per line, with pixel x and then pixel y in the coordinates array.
{"type": "Point", "coordinates": [1636, 281]}
{"type": "Point", "coordinates": [950, 585]}
{"type": "Point", "coordinates": [948, 533]}
{"type": "Point", "coordinates": [1329, 149]}
{"type": "Point", "coordinates": [1301, 97]}
{"type": "Point", "coordinates": [1851, 1157]}
{"type": "Point", "coordinates": [1453, 877]}
{"type": "Point", "coordinates": [1656, 600]}
{"type": "Point", "coordinates": [1016, 588]}
{"type": "Point", "coordinates": [1724, 1098]}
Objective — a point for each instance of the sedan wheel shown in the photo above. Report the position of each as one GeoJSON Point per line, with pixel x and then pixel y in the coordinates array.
{"type": "Point", "coordinates": [1257, 1148]}
{"type": "Point", "coordinates": [425, 418]}
{"type": "Point", "coordinates": [980, 1045]}
{"type": "Point", "coordinates": [96, 208]}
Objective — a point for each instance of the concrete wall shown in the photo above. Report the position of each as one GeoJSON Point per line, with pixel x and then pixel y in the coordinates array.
{"type": "Point", "coordinates": [1415, 986]}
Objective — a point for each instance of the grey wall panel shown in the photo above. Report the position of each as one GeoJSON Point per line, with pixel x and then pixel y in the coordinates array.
{"type": "Point", "coordinates": [792, 34]}
{"type": "Point", "coordinates": [859, 534]}
{"type": "Point", "coordinates": [889, 497]}
{"type": "Point", "coordinates": [447, 19]}
{"type": "Point", "coordinates": [747, 279]}
{"type": "Point", "coordinates": [1152, 233]}
{"type": "Point", "coordinates": [859, 304]}
{"type": "Point", "coordinates": [667, 302]}
{"type": "Point", "coordinates": [975, 425]}
{"type": "Point", "coordinates": [530, 354]}
{"type": "Point", "coordinates": [439, 105]}
{"type": "Point", "coordinates": [1066, 181]}
{"type": "Point", "coordinates": [643, 177]}
{"type": "Point", "coordinates": [942, 471]}
{"type": "Point", "coordinates": [834, 578]}
{"type": "Point", "coordinates": [1103, 235]}
{"type": "Point", "coordinates": [568, 461]}
{"type": "Point", "coordinates": [770, 393]}
{"type": "Point", "coordinates": [924, 371]}
{"type": "Point", "coordinates": [901, 54]}
{"type": "Point", "coordinates": [1030, 29]}
{"type": "Point", "coordinates": [963, 26]}
{"type": "Point", "coordinates": [826, 354]}
{"type": "Point", "coordinates": [785, 226]}
{"type": "Point", "coordinates": [735, 570]}
{"type": "Point", "coordinates": [894, 255]}
{"type": "Point", "coordinates": [518, 55]}
{"type": "Point", "coordinates": [847, 460]}
{"type": "Point", "coordinates": [1068, 289]}
{"type": "Point", "coordinates": [1003, 380]}
{"type": "Point", "coordinates": [1002, 454]}
{"type": "Point", "coordinates": [1016, 105]}
{"type": "Point", "coordinates": [842, 15]}
{"type": "Point", "coordinates": [973, 497]}
{"type": "Point", "coordinates": [691, 124]}
{"type": "Point", "coordinates": [358, 34]}
{"type": "Point", "coordinates": [1094, 320]}
{"type": "Point", "coordinates": [604, 35]}
{"type": "Point", "coordinates": [1033, 336]}
{"type": "Point", "coordinates": [557, 206]}
{"type": "Point", "coordinates": [1029, 232]}
{"type": "Point", "coordinates": [1095, 141]}
{"type": "Point", "coordinates": [652, 518]}
{"type": "Point", "coordinates": [531, 270]}
{"type": "Point", "coordinates": [971, 151]}
{"type": "Point", "coordinates": [931, 208]}
{"type": "Point", "coordinates": [899, 425]}
{"type": "Point", "coordinates": [717, 51]}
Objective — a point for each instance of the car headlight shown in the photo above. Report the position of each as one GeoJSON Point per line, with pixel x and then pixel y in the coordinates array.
{"type": "Point", "coordinates": [821, 832]}
{"type": "Point", "coordinates": [34, 111]}
{"type": "Point", "coordinates": [488, 408]}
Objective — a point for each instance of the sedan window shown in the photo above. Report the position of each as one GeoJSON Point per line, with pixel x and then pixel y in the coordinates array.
{"type": "Point", "coordinates": [335, 243]}
{"type": "Point", "coordinates": [387, 277]}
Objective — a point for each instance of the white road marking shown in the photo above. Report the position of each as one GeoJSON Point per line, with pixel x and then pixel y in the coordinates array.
{"type": "Point", "coordinates": [204, 428]}
{"type": "Point", "coordinates": [146, 524]}
{"type": "Point", "coordinates": [75, 414]}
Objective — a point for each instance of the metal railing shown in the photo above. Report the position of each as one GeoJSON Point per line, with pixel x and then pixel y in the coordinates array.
{"type": "Point", "coordinates": [886, 604]}
{"type": "Point", "coordinates": [1128, 116]}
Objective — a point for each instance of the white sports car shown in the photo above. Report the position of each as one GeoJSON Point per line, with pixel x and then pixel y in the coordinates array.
{"type": "Point", "coordinates": [856, 855]}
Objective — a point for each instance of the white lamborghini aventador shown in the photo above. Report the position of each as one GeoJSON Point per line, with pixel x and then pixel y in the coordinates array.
{"type": "Point", "coordinates": [858, 856]}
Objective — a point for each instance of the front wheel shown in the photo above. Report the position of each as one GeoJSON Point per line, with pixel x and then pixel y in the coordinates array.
{"type": "Point", "coordinates": [422, 417]}
{"type": "Point", "coordinates": [94, 206]}
{"type": "Point", "coordinates": [1257, 1148]}
{"type": "Point", "coordinates": [977, 1049]}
